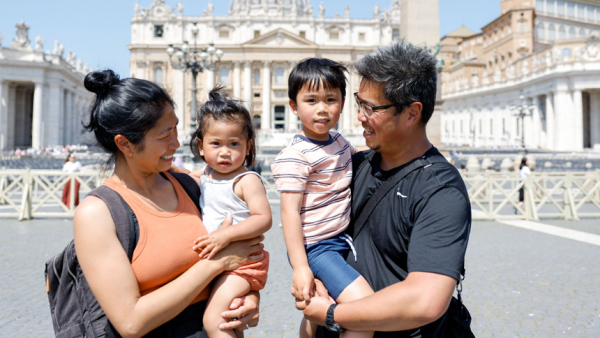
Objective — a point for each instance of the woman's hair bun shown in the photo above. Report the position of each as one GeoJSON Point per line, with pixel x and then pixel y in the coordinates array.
{"type": "Point", "coordinates": [100, 82]}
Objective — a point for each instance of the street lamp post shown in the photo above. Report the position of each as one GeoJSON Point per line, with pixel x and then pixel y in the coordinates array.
{"type": "Point", "coordinates": [196, 61]}
{"type": "Point", "coordinates": [522, 111]}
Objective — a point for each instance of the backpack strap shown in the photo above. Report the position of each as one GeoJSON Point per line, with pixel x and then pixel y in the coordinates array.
{"type": "Point", "coordinates": [125, 221]}
{"type": "Point", "coordinates": [190, 186]}
{"type": "Point", "coordinates": [366, 211]}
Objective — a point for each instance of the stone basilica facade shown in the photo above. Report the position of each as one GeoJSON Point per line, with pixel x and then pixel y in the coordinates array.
{"type": "Point", "coordinates": [262, 41]}
{"type": "Point", "coordinates": [546, 51]}
{"type": "Point", "coordinates": [42, 97]}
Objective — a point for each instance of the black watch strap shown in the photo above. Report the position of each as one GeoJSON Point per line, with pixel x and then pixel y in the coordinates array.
{"type": "Point", "coordinates": [329, 321]}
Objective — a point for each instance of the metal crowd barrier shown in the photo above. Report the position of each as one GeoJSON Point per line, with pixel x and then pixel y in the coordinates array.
{"type": "Point", "coordinates": [25, 194]}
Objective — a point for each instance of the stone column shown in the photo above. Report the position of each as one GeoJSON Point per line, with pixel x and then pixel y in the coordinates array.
{"type": "Point", "coordinates": [265, 121]}
{"type": "Point", "coordinates": [577, 121]}
{"type": "Point", "coordinates": [237, 86]}
{"type": "Point", "coordinates": [76, 115]}
{"type": "Point", "coordinates": [292, 118]}
{"type": "Point", "coordinates": [180, 111]}
{"type": "Point", "coordinates": [210, 81]}
{"type": "Point", "coordinates": [595, 120]}
{"type": "Point", "coordinates": [11, 113]}
{"type": "Point", "coordinates": [550, 137]}
{"type": "Point", "coordinates": [346, 120]}
{"type": "Point", "coordinates": [564, 133]}
{"type": "Point", "coordinates": [3, 111]}
{"type": "Point", "coordinates": [248, 85]}
{"type": "Point", "coordinates": [37, 122]}
{"type": "Point", "coordinates": [67, 136]}
{"type": "Point", "coordinates": [536, 123]}
{"type": "Point", "coordinates": [53, 121]}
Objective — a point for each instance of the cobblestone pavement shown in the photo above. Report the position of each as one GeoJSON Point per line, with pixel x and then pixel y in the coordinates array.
{"type": "Point", "coordinates": [519, 283]}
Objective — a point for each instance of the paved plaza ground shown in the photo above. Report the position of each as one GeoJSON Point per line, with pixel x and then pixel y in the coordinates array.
{"type": "Point", "coordinates": [519, 283]}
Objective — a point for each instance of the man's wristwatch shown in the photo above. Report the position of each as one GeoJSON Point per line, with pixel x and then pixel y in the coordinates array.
{"type": "Point", "coordinates": [329, 323]}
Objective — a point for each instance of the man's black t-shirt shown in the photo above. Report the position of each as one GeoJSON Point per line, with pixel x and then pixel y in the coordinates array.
{"type": "Point", "coordinates": [422, 224]}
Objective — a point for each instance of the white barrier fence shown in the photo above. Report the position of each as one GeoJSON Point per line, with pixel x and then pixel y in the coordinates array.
{"type": "Point", "coordinates": [25, 194]}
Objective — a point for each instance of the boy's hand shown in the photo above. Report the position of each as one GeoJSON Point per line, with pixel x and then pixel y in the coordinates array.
{"type": "Point", "coordinates": [303, 283]}
{"type": "Point", "coordinates": [211, 243]}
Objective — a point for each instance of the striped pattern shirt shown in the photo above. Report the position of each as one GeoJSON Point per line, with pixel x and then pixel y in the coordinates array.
{"type": "Point", "coordinates": [322, 170]}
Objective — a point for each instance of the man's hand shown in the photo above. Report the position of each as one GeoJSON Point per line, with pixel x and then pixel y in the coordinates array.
{"type": "Point", "coordinates": [303, 283]}
{"type": "Point", "coordinates": [315, 309]}
{"type": "Point", "coordinates": [244, 311]}
{"type": "Point", "coordinates": [211, 243]}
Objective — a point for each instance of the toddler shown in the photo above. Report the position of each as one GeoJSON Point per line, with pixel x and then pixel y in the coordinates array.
{"type": "Point", "coordinates": [313, 175]}
{"type": "Point", "coordinates": [225, 140]}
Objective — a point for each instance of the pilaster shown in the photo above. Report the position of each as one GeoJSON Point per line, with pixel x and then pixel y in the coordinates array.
{"type": "Point", "coordinates": [265, 121]}
{"type": "Point", "coordinates": [550, 129]}
{"type": "Point", "coordinates": [37, 139]}
{"type": "Point", "coordinates": [577, 121]}
{"type": "Point", "coordinates": [237, 86]}
{"type": "Point", "coordinates": [248, 85]}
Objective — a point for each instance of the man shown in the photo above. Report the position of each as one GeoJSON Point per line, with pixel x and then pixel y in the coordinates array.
{"type": "Point", "coordinates": [411, 249]}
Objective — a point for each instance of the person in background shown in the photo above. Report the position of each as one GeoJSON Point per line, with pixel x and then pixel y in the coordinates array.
{"type": "Point", "coordinates": [71, 166]}
{"type": "Point", "coordinates": [524, 172]}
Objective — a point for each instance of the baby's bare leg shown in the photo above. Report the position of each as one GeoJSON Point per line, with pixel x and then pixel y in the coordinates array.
{"type": "Point", "coordinates": [356, 290]}
{"type": "Point", "coordinates": [308, 329]}
{"type": "Point", "coordinates": [224, 290]}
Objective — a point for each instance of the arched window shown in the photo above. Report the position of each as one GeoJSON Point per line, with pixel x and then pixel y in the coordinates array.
{"type": "Point", "coordinates": [541, 31]}
{"type": "Point", "coordinates": [572, 33]}
{"type": "Point", "coordinates": [562, 33]}
{"type": "Point", "coordinates": [256, 76]}
{"type": "Point", "coordinates": [224, 76]}
{"type": "Point", "coordinates": [582, 33]}
{"type": "Point", "coordinates": [279, 76]}
{"type": "Point", "coordinates": [158, 75]}
{"type": "Point", "coordinates": [551, 32]}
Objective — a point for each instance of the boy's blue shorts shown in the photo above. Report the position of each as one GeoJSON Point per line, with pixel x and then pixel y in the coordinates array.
{"type": "Point", "coordinates": [327, 260]}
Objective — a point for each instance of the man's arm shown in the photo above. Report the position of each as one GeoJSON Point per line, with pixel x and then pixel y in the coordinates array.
{"type": "Point", "coordinates": [419, 300]}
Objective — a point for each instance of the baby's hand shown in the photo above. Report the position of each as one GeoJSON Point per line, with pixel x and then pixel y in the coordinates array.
{"type": "Point", "coordinates": [303, 283]}
{"type": "Point", "coordinates": [211, 243]}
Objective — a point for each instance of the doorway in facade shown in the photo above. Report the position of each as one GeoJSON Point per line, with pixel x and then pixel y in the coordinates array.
{"type": "Point", "coordinates": [279, 118]}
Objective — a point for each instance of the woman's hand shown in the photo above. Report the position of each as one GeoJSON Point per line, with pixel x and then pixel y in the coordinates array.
{"type": "Point", "coordinates": [243, 314]}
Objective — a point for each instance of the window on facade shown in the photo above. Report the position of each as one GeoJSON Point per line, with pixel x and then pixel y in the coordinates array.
{"type": "Point", "coordinates": [224, 34]}
{"type": "Point", "coordinates": [522, 26]}
{"type": "Point", "coordinates": [158, 75]}
{"type": "Point", "coordinates": [256, 94]}
{"type": "Point", "coordinates": [334, 35]}
{"type": "Point", "coordinates": [158, 31]}
{"type": "Point", "coordinates": [582, 33]}
{"type": "Point", "coordinates": [541, 31]}
{"type": "Point", "coordinates": [572, 33]}
{"type": "Point", "coordinates": [580, 11]}
{"type": "Point", "coordinates": [303, 34]}
{"type": "Point", "coordinates": [256, 34]}
{"type": "Point", "coordinates": [395, 34]}
{"type": "Point", "coordinates": [256, 121]}
{"type": "Point", "coordinates": [280, 94]}
{"type": "Point", "coordinates": [522, 43]}
{"type": "Point", "coordinates": [224, 75]}
{"type": "Point", "coordinates": [551, 32]}
{"type": "Point", "coordinates": [571, 9]}
{"type": "Point", "coordinates": [562, 33]}
{"type": "Point", "coordinates": [361, 36]}
{"type": "Point", "coordinates": [539, 5]}
{"type": "Point", "coordinates": [550, 7]}
{"type": "Point", "coordinates": [590, 13]}
{"type": "Point", "coordinates": [257, 76]}
{"type": "Point", "coordinates": [560, 7]}
{"type": "Point", "coordinates": [279, 78]}
{"type": "Point", "coordinates": [566, 53]}
{"type": "Point", "coordinates": [279, 117]}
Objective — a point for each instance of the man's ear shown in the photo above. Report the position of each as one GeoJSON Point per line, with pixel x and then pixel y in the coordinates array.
{"type": "Point", "coordinates": [414, 114]}
{"type": "Point", "coordinates": [199, 143]}
{"type": "Point", "coordinates": [293, 107]}
{"type": "Point", "coordinates": [124, 145]}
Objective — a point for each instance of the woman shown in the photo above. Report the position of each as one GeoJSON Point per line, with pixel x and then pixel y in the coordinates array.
{"type": "Point", "coordinates": [524, 172]}
{"type": "Point", "coordinates": [71, 166]}
{"type": "Point", "coordinates": [163, 291]}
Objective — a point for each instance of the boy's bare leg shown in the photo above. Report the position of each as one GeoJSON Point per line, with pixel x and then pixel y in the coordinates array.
{"type": "Point", "coordinates": [308, 329]}
{"type": "Point", "coordinates": [224, 290]}
{"type": "Point", "coordinates": [356, 290]}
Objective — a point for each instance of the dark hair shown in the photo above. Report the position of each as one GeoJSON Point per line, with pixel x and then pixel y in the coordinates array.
{"type": "Point", "coordinates": [313, 72]}
{"type": "Point", "coordinates": [128, 107]}
{"type": "Point", "coordinates": [408, 73]}
{"type": "Point", "coordinates": [221, 109]}
{"type": "Point", "coordinates": [523, 163]}
{"type": "Point", "coordinates": [68, 156]}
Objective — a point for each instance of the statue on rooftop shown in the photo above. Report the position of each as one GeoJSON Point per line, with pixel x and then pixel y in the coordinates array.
{"type": "Point", "coordinates": [39, 44]}
{"type": "Point", "coordinates": [376, 11]}
{"type": "Point", "coordinates": [179, 8]}
{"type": "Point", "coordinates": [136, 8]}
{"type": "Point", "coordinates": [321, 10]}
{"type": "Point", "coordinates": [347, 11]}
{"type": "Point", "coordinates": [56, 45]}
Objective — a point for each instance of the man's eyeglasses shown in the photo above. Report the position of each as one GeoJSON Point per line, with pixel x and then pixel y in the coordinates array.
{"type": "Point", "coordinates": [369, 111]}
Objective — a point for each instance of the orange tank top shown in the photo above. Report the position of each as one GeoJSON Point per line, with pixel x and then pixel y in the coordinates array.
{"type": "Point", "coordinates": [164, 250]}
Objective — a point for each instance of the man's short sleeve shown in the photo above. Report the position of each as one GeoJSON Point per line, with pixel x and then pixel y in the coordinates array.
{"type": "Point", "coordinates": [440, 233]}
{"type": "Point", "coordinates": [290, 171]}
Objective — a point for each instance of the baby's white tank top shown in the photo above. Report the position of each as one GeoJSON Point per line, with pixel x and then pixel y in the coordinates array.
{"type": "Point", "coordinates": [217, 198]}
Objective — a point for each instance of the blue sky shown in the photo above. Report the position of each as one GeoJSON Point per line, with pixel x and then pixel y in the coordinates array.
{"type": "Point", "coordinates": [99, 31]}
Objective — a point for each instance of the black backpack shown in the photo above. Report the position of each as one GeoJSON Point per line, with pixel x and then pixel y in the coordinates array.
{"type": "Point", "coordinates": [74, 309]}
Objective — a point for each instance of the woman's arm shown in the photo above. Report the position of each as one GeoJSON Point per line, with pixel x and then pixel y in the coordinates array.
{"type": "Point", "coordinates": [111, 278]}
{"type": "Point", "coordinates": [251, 190]}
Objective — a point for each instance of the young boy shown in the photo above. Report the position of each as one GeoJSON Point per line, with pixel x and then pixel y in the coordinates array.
{"type": "Point", "coordinates": [313, 175]}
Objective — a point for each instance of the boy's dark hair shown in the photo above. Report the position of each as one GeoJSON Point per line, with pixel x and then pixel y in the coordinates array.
{"type": "Point", "coordinates": [221, 109]}
{"type": "Point", "coordinates": [312, 72]}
